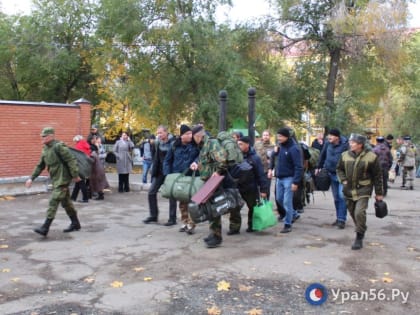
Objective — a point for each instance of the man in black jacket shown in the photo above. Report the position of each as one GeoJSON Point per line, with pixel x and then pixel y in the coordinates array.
{"type": "Point", "coordinates": [252, 190]}
{"type": "Point", "coordinates": [162, 146]}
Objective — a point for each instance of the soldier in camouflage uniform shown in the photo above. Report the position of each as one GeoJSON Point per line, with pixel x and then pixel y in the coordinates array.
{"type": "Point", "coordinates": [407, 159]}
{"type": "Point", "coordinates": [61, 175]}
{"type": "Point", "coordinates": [359, 170]}
{"type": "Point", "coordinates": [265, 149]}
{"type": "Point", "coordinates": [212, 161]}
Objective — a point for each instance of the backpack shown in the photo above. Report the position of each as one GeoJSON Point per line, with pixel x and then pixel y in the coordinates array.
{"type": "Point", "coordinates": [234, 154]}
{"type": "Point", "coordinates": [84, 162]}
{"type": "Point", "coordinates": [240, 169]}
{"type": "Point", "coordinates": [313, 160]}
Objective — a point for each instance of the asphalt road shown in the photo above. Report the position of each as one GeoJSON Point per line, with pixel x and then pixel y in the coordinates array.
{"type": "Point", "coordinates": [117, 265]}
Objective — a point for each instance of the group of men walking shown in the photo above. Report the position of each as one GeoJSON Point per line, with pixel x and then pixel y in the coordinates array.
{"type": "Point", "coordinates": [353, 167]}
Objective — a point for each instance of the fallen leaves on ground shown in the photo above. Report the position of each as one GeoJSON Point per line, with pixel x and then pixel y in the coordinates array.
{"type": "Point", "coordinates": [214, 310]}
{"type": "Point", "coordinates": [387, 280]}
{"type": "Point", "coordinates": [244, 288]}
{"type": "Point", "coordinates": [89, 280]}
{"type": "Point", "coordinates": [307, 262]}
{"type": "Point", "coordinates": [138, 269]}
{"type": "Point", "coordinates": [373, 280]}
{"type": "Point", "coordinates": [254, 311]}
{"type": "Point", "coordinates": [117, 284]}
{"type": "Point", "coordinates": [5, 270]}
{"type": "Point", "coordinates": [148, 279]}
{"type": "Point", "coordinates": [223, 286]}
{"type": "Point", "coordinates": [15, 279]}
{"type": "Point", "coordinates": [4, 246]}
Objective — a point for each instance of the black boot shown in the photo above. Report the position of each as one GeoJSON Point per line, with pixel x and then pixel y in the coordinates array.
{"type": "Point", "coordinates": [100, 196]}
{"type": "Point", "coordinates": [358, 242]}
{"type": "Point", "coordinates": [43, 230]}
{"type": "Point", "coordinates": [74, 225]}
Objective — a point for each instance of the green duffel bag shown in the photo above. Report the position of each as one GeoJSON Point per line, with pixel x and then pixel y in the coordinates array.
{"type": "Point", "coordinates": [180, 187]}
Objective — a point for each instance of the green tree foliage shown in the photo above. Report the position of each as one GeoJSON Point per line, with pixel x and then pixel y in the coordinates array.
{"type": "Point", "coordinates": [403, 99]}
{"type": "Point", "coordinates": [343, 37]}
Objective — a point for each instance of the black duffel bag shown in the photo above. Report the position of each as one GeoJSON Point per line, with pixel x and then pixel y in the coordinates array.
{"type": "Point", "coordinates": [322, 180]}
{"type": "Point", "coordinates": [381, 209]}
{"type": "Point", "coordinates": [219, 204]}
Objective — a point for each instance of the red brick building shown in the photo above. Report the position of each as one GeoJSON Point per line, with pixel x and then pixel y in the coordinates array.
{"type": "Point", "coordinates": [21, 124]}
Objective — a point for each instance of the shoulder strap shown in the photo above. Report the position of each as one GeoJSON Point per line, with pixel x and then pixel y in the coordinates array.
{"type": "Point", "coordinates": [60, 158]}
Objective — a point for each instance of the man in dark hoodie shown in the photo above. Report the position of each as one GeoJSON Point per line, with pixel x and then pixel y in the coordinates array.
{"type": "Point", "coordinates": [385, 159]}
{"type": "Point", "coordinates": [289, 168]}
{"type": "Point", "coordinates": [328, 159]}
{"type": "Point", "coordinates": [252, 190]}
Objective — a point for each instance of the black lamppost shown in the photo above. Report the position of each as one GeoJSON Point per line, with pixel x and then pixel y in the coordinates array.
{"type": "Point", "coordinates": [222, 113]}
{"type": "Point", "coordinates": [251, 114]}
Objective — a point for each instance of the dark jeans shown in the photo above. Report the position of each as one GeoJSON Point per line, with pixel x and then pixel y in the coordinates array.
{"type": "Point", "coordinates": [152, 195]}
{"type": "Point", "coordinates": [123, 183]}
{"type": "Point", "coordinates": [250, 197]}
{"type": "Point", "coordinates": [80, 186]}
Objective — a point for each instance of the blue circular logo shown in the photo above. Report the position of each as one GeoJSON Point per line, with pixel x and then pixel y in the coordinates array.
{"type": "Point", "coordinates": [316, 294]}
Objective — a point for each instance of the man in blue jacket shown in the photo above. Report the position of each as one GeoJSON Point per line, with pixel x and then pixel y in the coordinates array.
{"type": "Point", "coordinates": [183, 152]}
{"type": "Point", "coordinates": [328, 159]}
{"type": "Point", "coordinates": [289, 168]}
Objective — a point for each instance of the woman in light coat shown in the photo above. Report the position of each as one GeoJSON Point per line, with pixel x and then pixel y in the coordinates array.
{"type": "Point", "coordinates": [122, 150]}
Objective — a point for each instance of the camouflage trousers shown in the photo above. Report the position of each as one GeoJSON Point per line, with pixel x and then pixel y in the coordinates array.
{"type": "Point", "coordinates": [235, 221]}
{"type": "Point", "coordinates": [409, 172]}
{"type": "Point", "coordinates": [185, 216]}
{"type": "Point", "coordinates": [357, 210]}
{"type": "Point", "coordinates": [60, 195]}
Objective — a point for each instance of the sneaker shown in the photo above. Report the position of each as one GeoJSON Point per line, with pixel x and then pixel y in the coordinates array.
{"type": "Point", "coordinates": [280, 217]}
{"type": "Point", "coordinates": [214, 241]}
{"type": "Point", "coordinates": [300, 211]}
{"type": "Point", "coordinates": [190, 231]}
{"type": "Point", "coordinates": [334, 223]}
{"type": "Point", "coordinates": [233, 232]}
{"type": "Point", "coordinates": [286, 229]}
{"type": "Point", "coordinates": [297, 217]}
{"type": "Point", "coordinates": [183, 228]}
{"type": "Point", "coordinates": [170, 223]}
{"type": "Point", "coordinates": [341, 225]}
{"type": "Point", "coordinates": [149, 220]}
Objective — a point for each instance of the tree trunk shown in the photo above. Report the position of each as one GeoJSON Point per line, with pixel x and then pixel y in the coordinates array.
{"type": "Point", "coordinates": [332, 78]}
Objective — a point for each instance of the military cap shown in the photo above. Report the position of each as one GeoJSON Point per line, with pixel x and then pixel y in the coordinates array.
{"type": "Point", "coordinates": [47, 131]}
{"type": "Point", "coordinates": [380, 139]}
{"type": "Point", "coordinates": [358, 138]}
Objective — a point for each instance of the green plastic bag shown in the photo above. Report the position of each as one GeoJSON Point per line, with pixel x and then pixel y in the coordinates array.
{"type": "Point", "coordinates": [263, 216]}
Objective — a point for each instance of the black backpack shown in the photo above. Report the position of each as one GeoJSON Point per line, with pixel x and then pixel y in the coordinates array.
{"type": "Point", "coordinates": [322, 180]}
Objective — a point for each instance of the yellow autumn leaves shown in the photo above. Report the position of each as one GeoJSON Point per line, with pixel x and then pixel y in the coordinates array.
{"type": "Point", "coordinates": [225, 286]}
{"type": "Point", "coordinates": [120, 284]}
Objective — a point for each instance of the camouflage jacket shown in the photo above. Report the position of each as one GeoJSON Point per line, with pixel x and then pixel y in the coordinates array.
{"type": "Point", "coordinates": [264, 151]}
{"type": "Point", "coordinates": [212, 158]}
{"type": "Point", "coordinates": [362, 172]}
{"type": "Point", "coordinates": [59, 172]}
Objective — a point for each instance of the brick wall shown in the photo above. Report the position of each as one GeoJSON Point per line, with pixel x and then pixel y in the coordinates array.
{"type": "Point", "coordinates": [21, 124]}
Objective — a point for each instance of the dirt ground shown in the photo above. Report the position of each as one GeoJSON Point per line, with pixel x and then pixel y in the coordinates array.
{"type": "Point", "coordinates": [117, 265]}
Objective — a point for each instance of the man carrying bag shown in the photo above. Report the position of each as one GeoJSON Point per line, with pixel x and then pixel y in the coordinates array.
{"type": "Point", "coordinates": [178, 159]}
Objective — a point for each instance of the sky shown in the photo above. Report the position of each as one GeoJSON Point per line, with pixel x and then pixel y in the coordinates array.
{"type": "Point", "coordinates": [242, 10]}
